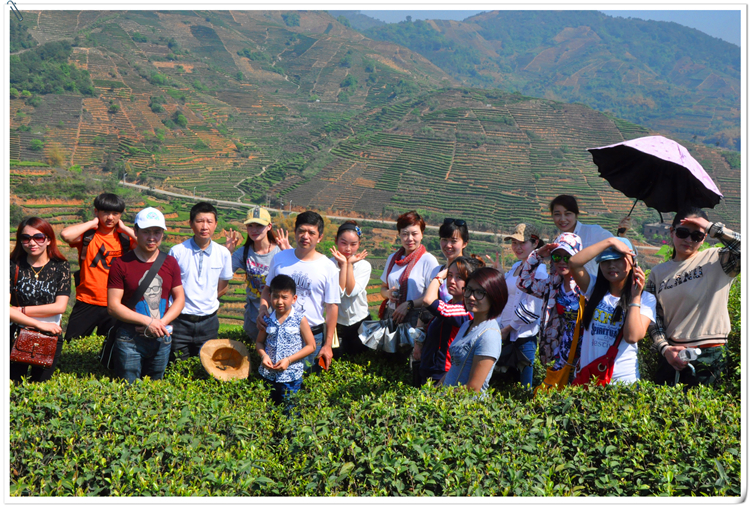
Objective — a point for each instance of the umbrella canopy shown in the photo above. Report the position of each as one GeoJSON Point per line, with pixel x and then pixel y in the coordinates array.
{"type": "Point", "coordinates": [658, 171]}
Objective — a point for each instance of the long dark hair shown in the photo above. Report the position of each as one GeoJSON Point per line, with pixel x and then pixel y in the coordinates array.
{"type": "Point", "coordinates": [601, 287]}
{"type": "Point", "coordinates": [689, 211]}
{"type": "Point", "coordinates": [45, 228]}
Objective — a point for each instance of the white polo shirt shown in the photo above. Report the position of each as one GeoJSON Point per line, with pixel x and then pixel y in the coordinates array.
{"type": "Point", "coordinates": [201, 271]}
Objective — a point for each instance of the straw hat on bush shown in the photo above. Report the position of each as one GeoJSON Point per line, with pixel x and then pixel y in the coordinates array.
{"type": "Point", "coordinates": [225, 359]}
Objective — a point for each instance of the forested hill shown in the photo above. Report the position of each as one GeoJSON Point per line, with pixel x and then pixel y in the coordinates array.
{"type": "Point", "coordinates": [297, 108]}
{"type": "Point", "coordinates": [668, 77]}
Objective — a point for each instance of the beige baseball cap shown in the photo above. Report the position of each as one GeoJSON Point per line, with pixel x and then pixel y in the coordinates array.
{"type": "Point", "coordinates": [258, 216]}
{"type": "Point", "coordinates": [524, 232]}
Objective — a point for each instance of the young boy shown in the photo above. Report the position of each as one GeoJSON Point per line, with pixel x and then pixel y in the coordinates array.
{"type": "Point", "coordinates": [99, 242]}
{"type": "Point", "coordinates": [285, 342]}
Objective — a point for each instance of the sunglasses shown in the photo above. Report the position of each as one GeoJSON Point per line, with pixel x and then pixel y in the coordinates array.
{"type": "Point", "coordinates": [457, 221]}
{"type": "Point", "coordinates": [38, 238]}
{"type": "Point", "coordinates": [683, 232]}
{"type": "Point", "coordinates": [477, 293]}
{"type": "Point", "coordinates": [558, 258]}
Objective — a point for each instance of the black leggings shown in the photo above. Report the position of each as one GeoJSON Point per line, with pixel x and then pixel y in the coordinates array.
{"type": "Point", "coordinates": [351, 345]}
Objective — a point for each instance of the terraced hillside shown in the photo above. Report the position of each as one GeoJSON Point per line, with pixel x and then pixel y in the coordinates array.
{"type": "Point", "coordinates": [296, 109]}
{"type": "Point", "coordinates": [495, 159]}
{"type": "Point", "coordinates": [669, 77]}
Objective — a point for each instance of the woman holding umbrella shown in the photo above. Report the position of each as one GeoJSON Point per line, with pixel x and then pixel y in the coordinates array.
{"type": "Point", "coordinates": [692, 293]}
{"type": "Point", "coordinates": [564, 211]}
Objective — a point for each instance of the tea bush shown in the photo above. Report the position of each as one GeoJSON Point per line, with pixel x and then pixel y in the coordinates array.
{"type": "Point", "coordinates": [360, 429]}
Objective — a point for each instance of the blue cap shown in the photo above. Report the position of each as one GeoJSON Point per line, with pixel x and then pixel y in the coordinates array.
{"type": "Point", "coordinates": [611, 254]}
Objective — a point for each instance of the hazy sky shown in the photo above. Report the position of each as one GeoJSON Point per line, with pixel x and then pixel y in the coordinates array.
{"type": "Point", "coordinates": [723, 24]}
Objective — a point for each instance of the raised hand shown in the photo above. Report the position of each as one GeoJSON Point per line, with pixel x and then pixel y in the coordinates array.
{"type": "Point", "coordinates": [622, 248]}
{"type": "Point", "coordinates": [639, 281]}
{"type": "Point", "coordinates": [545, 251]}
{"type": "Point", "coordinates": [497, 264]}
{"type": "Point", "coordinates": [443, 275]}
{"type": "Point", "coordinates": [340, 258]}
{"type": "Point", "coordinates": [696, 222]}
{"type": "Point", "coordinates": [234, 238]}
{"type": "Point", "coordinates": [358, 257]}
{"type": "Point", "coordinates": [282, 239]}
{"type": "Point", "coordinates": [624, 223]}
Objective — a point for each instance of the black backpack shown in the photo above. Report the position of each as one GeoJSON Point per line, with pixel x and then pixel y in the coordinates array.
{"type": "Point", "coordinates": [87, 237]}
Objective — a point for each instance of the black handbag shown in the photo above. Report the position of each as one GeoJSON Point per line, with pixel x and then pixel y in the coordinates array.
{"type": "Point", "coordinates": [106, 354]}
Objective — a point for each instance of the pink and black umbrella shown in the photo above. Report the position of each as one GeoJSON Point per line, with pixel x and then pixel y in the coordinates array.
{"type": "Point", "coordinates": [657, 171]}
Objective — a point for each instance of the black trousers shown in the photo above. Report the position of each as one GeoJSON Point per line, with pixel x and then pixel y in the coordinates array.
{"type": "Point", "coordinates": [84, 318]}
{"type": "Point", "coordinates": [188, 336]}
{"type": "Point", "coordinates": [351, 345]}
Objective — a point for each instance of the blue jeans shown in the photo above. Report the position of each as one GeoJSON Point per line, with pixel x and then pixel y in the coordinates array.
{"type": "Point", "coordinates": [137, 356]}
{"type": "Point", "coordinates": [509, 358]}
{"type": "Point", "coordinates": [281, 391]}
{"type": "Point", "coordinates": [528, 349]}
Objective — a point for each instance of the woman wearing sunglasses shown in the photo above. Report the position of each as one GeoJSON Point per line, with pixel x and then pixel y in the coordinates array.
{"type": "Point", "coordinates": [615, 306]}
{"type": "Point", "coordinates": [561, 302]}
{"type": "Point", "coordinates": [478, 343]}
{"type": "Point", "coordinates": [39, 289]}
{"type": "Point", "coordinates": [692, 293]}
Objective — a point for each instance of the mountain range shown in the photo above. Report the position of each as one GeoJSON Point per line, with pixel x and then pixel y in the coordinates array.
{"type": "Point", "coordinates": [298, 108]}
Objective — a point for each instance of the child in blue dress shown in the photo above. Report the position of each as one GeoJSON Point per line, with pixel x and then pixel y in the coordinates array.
{"type": "Point", "coordinates": [285, 342]}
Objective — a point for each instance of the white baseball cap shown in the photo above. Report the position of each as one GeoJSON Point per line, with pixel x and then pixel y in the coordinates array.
{"type": "Point", "coordinates": [150, 217]}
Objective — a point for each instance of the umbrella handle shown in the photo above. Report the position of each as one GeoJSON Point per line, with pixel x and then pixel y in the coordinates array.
{"type": "Point", "coordinates": [631, 209]}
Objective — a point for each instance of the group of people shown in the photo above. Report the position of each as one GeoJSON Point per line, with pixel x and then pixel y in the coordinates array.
{"type": "Point", "coordinates": [571, 300]}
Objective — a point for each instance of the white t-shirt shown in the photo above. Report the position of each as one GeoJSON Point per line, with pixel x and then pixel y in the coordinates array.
{"type": "Point", "coordinates": [601, 335]}
{"type": "Point", "coordinates": [317, 283]}
{"type": "Point", "coordinates": [419, 277]}
{"type": "Point", "coordinates": [353, 307]}
{"type": "Point", "coordinates": [522, 311]}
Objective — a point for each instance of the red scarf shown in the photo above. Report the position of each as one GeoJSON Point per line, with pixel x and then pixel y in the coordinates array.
{"type": "Point", "coordinates": [410, 261]}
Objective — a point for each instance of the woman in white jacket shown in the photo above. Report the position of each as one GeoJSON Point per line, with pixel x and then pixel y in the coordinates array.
{"type": "Point", "coordinates": [519, 321]}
